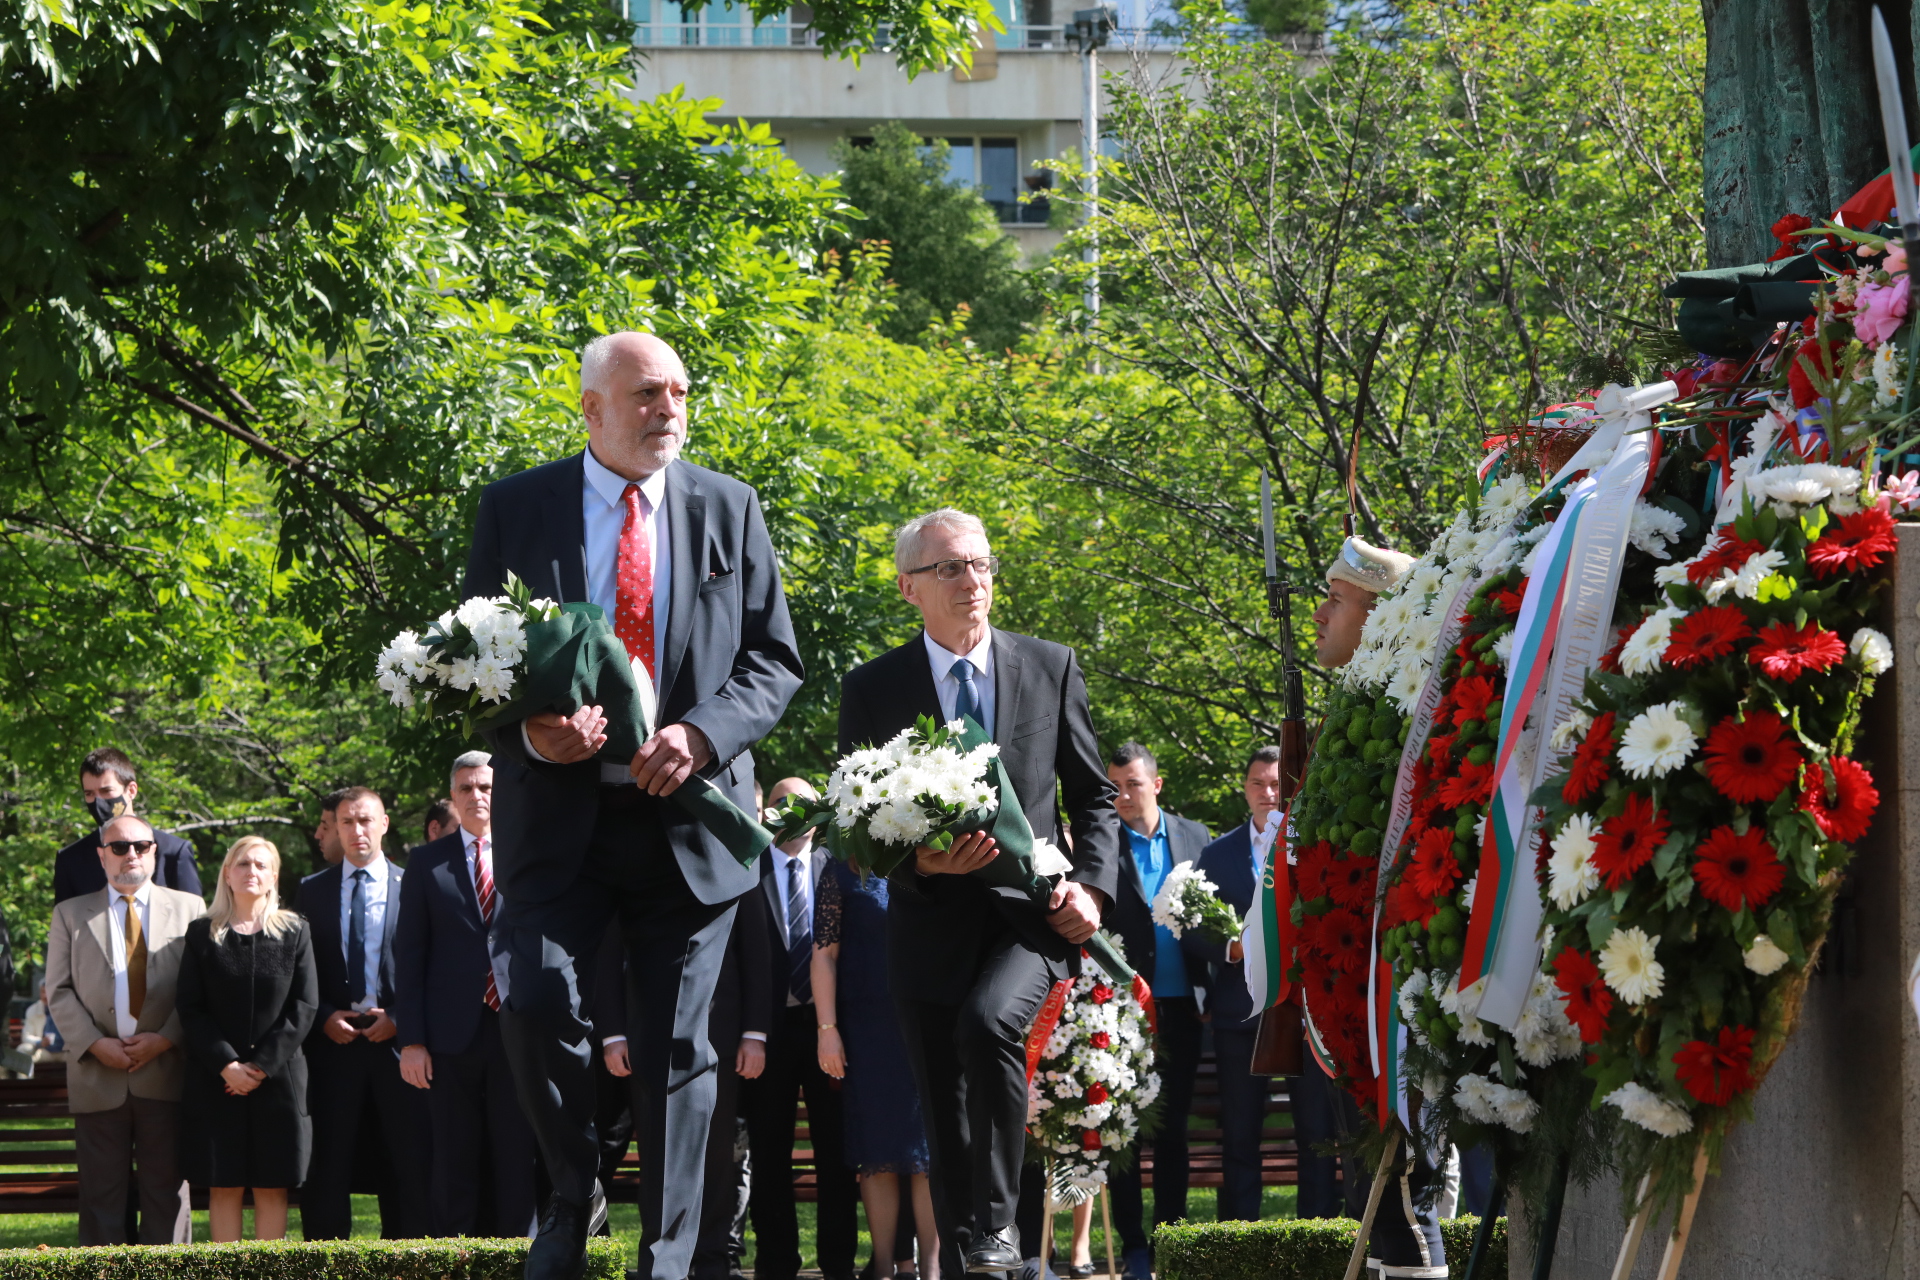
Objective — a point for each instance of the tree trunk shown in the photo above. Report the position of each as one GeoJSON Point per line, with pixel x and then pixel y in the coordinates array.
{"type": "Point", "coordinates": [1792, 114]}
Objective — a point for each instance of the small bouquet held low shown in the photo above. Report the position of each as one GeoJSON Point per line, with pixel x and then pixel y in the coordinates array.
{"type": "Point", "coordinates": [1187, 900]}
{"type": "Point", "coordinates": [930, 785]}
{"type": "Point", "coordinates": [496, 660]}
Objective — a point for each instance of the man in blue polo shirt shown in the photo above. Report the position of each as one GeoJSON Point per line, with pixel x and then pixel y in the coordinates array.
{"type": "Point", "coordinates": [1158, 841]}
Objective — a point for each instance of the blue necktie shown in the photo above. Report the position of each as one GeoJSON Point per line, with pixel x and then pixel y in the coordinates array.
{"type": "Point", "coordinates": [968, 701]}
{"type": "Point", "coordinates": [357, 937]}
{"type": "Point", "coordinates": [799, 933]}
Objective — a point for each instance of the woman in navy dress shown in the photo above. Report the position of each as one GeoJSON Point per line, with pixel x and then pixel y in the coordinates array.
{"type": "Point", "coordinates": [860, 1043]}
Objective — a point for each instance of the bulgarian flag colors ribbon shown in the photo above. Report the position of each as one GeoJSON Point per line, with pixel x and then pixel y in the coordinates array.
{"type": "Point", "coordinates": [1565, 624]}
{"type": "Point", "coordinates": [1266, 939]}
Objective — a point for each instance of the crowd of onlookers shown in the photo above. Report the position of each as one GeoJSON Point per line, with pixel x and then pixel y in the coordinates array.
{"type": "Point", "coordinates": [349, 1040]}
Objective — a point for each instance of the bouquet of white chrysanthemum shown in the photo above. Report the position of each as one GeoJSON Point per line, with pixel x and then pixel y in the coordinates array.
{"type": "Point", "coordinates": [469, 656]}
{"type": "Point", "coordinates": [1187, 900]}
{"type": "Point", "coordinates": [930, 785]}
{"type": "Point", "coordinates": [1092, 1088]}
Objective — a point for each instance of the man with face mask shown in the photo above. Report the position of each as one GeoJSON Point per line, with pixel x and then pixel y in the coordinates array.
{"type": "Point", "coordinates": [108, 789]}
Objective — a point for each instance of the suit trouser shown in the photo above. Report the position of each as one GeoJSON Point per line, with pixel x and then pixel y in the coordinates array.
{"type": "Point", "coordinates": [970, 1064]}
{"type": "Point", "coordinates": [1315, 1103]}
{"type": "Point", "coordinates": [1179, 1038]}
{"type": "Point", "coordinates": [1243, 1114]}
{"type": "Point", "coordinates": [478, 1128]}
{"type": "Point", "coordinates": [343, 1080]}
{"type": "Point", "coordinates": [135, 1142]}
{"type": "Point", "coordinates": [793, 1067]}
{"type": "Point", "coordinates": [675, 946]}
{"type": "Point", "coordinates": [712, 1253]}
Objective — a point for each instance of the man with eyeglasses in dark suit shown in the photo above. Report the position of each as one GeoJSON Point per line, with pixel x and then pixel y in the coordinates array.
{"type": "Point", "coordinates": [970, 968]}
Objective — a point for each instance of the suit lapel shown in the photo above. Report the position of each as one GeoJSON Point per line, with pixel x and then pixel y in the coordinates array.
{"type": "Point", "coordinates": [100, 925]}
{"type": "Point", "coordinates": [565, 569]}
{"type": "Point", "coordinates": [687, 527]}
{"type": "Point", "coordinates": [922, 698]}
{"type": "Point", "coordinates": [1006, 687]}
{"type": "Point", "coordinates": [464, 892]}
{"type": "Point", "coordinates": [776, 901]}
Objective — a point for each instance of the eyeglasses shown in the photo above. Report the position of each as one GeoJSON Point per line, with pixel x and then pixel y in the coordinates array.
{"type": "Point", "coordinates": [138, 848]}
{"type": "Point", "coordinates": [950, 570]}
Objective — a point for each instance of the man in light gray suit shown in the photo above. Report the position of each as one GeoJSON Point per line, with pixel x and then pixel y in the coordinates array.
{"type": "Point", "coordinates": [112, 960]}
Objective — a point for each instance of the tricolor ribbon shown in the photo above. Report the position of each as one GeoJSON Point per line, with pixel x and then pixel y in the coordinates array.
{"type": "Point", "coordinates": [1266, 939]}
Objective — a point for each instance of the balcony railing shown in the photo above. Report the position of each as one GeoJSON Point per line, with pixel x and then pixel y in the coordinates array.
{"type": "Point", "coordinates": [774, 35]}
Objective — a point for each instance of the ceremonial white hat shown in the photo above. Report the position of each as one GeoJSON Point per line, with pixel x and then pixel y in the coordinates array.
{"type": "Point", "coordinates": [1368, 567]}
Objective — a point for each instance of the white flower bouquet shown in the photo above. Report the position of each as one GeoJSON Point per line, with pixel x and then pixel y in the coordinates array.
{"type": "Point", "coordinates": [1092, 1089]}
{"type": "Point", "coordinates": [930, 785]}
{"type": "Point", "coordinates": [469, 657]}
{"type": "Point", "coordinates": [1187, 900]}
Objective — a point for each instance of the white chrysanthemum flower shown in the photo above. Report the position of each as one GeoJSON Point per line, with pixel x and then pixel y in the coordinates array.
{"type": "Point", "coordinates": [1370, 667]}
{"type": "Point", "coordinates": [1655, 529]}
{"type": "Point", "coordinates": [1411, 990]}
{"type": "Point", "coordinates": [1873, 649]}
{"type": "Point", "coordinates": [1571, 875]}
{"type": "Point", "coordinates": [1473, 1094]}
{"type": "Point", "coordinates": [1473, 885]}
{"type": "Point", "coordinates": [492, 679]}
{"type": "Point", "coordinates": [1572, 729]}
{"type": "Point", "coordinates": [1514, 1108]}
{"type": "Point", "coordinates": [1423, 581]}
{"type": "Point", "coordinates": [1760, 566]}
{"type": "Point", "coordinates": [1645, 650]}
{"type": "Point", "coordinates": [1424, 631]}
{"type": "Point", "coordinates": [1650, 1111]}
{"type": "Point", "coordinates": [397, 687]}
{"type": "Point", "coordinates": [1764, 957]}
{"type": "Point", "coordinates": [1500, 556]}
{"type": "Point", "coordinates": [460, 673]}
{"type": "Point", "coordinates": [1542, 1035]}
{"type": "Point", "coordinates": [1409, 677]}
{"type": "Point", "coordinates": [1456, 536]}
{"type": "Point", "coordinates": [1669, 575]}
{"type": "Point", "coordinates": [1628, 965]}
{"type": "Point", "coordinates": [1508, 497]}
{"type": "Point", "coordinates": [1657, 741]}
{"type": "Point", "coordinates": [899, 821]}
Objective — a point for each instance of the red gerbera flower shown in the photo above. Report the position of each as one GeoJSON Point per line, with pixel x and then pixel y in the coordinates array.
{"type": "Point", "coordinates": [1472, 785]}
{"type": "Point", "coordinates": [1861, 541]}
{"type": "Point", "coordinates": [1410, 904]}
{"type": "Point", "coordinates": [1434, 870]}
{"type": "Point", "coordinates": [1785, 650]}
{"type": "Point", "coordinates": [1350, 882]}
{"type": "Point", "coordinates": [1813, 359]}
{"type": "Point", "coordinates": [1470, 699]}
{"type": "Point", "coordinates": [1589, 767]}
{"type": "Point", "coordinates": [1710, 633]}
{"type": "Point", "coordinates": [1733, 870]}
{"type": "Point", "coordinates": [1610, 660]}
{"type": "Point", "coordinates": [1342, 936]}
{"type": "Point", "coordinates": [1750, 761]}
{"type": "Point", "coordinates": [1321, 985]}
{"type": "Point", "coordinates": [1717, 1073]}
{"type": "Point", "coordinates": [1440, 747]}
{"type": "Point", "coordinates": [1729, 551]}
{"type": "Point", "coordinates": [1855, 798]}
{"type": "Point", "coordinates": [1588, 998]}
{"type": "Point", "coordinates": [1310, 872]}
{"type": "Point", "coordinates": [1509, 600]}
{"type": "Point", "coordinates": [1627, 840]}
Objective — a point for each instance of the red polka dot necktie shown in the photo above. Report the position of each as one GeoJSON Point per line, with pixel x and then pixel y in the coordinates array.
{"type": "Point", "coordinates": [633, 581]}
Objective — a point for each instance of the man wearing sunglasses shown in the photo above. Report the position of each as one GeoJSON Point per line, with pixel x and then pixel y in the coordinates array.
{"type": "Point", "coordinates": [112, 959]}
{"type": "Point", "coordinates": [968, 970]}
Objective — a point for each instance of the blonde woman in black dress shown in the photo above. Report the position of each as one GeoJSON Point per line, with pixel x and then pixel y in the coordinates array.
{"type": "Point", "coordinates": [247, 998]}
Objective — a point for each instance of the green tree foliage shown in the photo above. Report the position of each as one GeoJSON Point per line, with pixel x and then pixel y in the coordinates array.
{"type": "Point", "coordinates": [945, 244]}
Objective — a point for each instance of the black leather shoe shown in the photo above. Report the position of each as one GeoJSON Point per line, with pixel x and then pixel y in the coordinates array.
{"type": "Point", "coordinates": [995, 1251]}
{"type": "Point", "coordinates": [559, 1250]}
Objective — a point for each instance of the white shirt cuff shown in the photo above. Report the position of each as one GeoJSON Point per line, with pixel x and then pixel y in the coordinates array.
{"type": "Point", "coordinates": [761, 1036]}
{"type": "Point", "coordinates": [527, 742]}
{"type": "Point", "coordinates": [610, 1041]}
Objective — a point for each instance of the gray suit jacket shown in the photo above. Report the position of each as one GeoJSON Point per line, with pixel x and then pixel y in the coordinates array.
{"type": "Point", "coordinates": [729, 667]}
{"type": "Point", "coordinates": [80, 995]}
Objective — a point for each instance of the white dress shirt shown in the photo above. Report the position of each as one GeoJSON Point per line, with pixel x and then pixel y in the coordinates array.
{"type": "Point", "coordinates": [947, 685]}
{"type": "Point", "coordinates": [124, 1023]}
{"type": "Point", "coordinates": [603, 510]}
{"type": "Point", "coordinates": [471, 843]}
{"type": "Point", "coordinates": [377, 873]}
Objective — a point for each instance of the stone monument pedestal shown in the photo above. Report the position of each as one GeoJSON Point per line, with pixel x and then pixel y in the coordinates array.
{"type": "Point", "coordinates": [1824, 1182]}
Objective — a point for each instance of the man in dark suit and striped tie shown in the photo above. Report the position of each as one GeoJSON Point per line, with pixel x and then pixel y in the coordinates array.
{"type": "Point", "coordinates": [790, 882]}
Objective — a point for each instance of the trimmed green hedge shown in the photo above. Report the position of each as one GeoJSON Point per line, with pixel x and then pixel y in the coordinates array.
{"type": "Point", "coordinates": [291, 1260]}
{"type": "Point", "coordinates": [1291, 1249]}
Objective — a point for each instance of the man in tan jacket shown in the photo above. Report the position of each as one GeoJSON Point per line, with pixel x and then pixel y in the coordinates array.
{"type": "Point", "coordinates": [112, 960]}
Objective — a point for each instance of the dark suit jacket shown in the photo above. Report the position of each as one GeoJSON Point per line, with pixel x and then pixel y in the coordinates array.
{"type": "Point", "coordinates": [1228, 862]}
{"type": "Point", "coordinates": [742, 1001]}
{"type": "Point", "coordinates": [939, 925]}
{"type": "Point", "coordinates": [440, 950]}
{"type": "Point", "coordinates": [770, 910]}
{"type": "Point", "coordinates": [729, 666]}
{"type": "Point", "coordinates": [76, 868]}
{"type": "Point", "coordinates": [1131, 915]}
{"type": "Point", "coordinates": [319, 902]}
